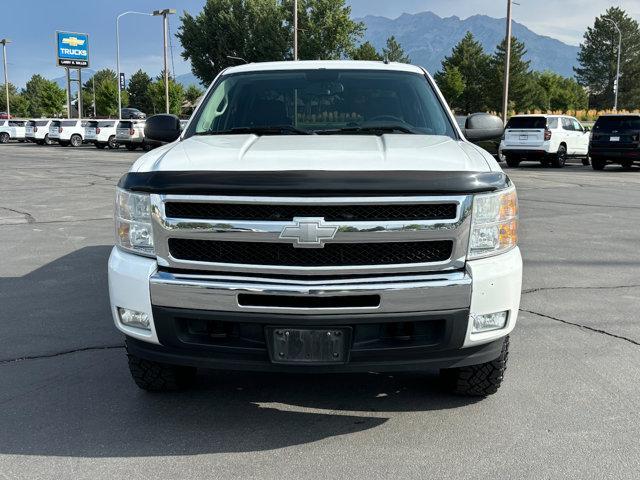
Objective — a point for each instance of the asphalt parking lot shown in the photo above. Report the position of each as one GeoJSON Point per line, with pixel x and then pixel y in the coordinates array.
{"type": "Point", "coordinates": [568, 407]}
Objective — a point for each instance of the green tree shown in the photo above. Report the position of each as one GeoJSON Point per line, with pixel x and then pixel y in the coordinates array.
{"type": "Point", "coordinates": [393, 51]}
{"type": "Point", "coordinates": [327, 30]}
{"type": "Point", "coordinates": [451, 84]}
{"type": "Point", "coordinates": [598, 60]}
{"type": "Point", "coordinates": [44, 97]}
{"type": "Point", "coordinates": [562, 93]}
{"type": "Point", "coordinates": [18, 104]}
{"type": "Point", "coordinates": [519, 77]}
{"type": "Point", "coordinates": [252, 29]}
{"type": "Point", "coordinates": [366, 51]}
{"type": "Point", "coordinates": [473, 63]}
{"type": "Point", "coordinates": [106, 94]}
{"type": "Point", "coordinates": [157, 95]}
{"type": "Point", "coordinates": [138, 90]}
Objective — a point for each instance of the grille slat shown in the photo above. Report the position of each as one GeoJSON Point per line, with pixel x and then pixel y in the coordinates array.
{"type": "Point", "coordinates": [331, 213]}
{"type": "Point", "coordinates": [332, 255]}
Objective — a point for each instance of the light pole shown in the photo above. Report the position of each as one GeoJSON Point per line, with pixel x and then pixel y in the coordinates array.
{"type": "Point", "coordinates": [507, 66]}
{"type": "Point", "coordinates": [617, 86]}
{"type": "Point", "coordinates": [295, 29]}
{"type": "Point", "coordinates": [118, 55]}
{"type": "Point", "coordinates": [165, 28]}
{"type": "Point", "coordinates": [4, 42]}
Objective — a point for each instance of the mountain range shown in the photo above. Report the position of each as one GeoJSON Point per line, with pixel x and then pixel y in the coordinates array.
{"type": "Point", "coordinates": [428, 38]}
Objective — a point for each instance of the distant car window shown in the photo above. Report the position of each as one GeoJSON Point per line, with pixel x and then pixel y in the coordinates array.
{"type": "Point", "coordinates": [552, 123]}
{"type": "Point", "coordinates": [125, 124]}
{"type": "Point", "coordinates": [56, 123]}
{"type": "Point", "coordinates": [15, 123]}
{"type": "Point", "coordinates": [567, 124]}
{"type": "Point", "coordinates": [69, 123]}
{"type": "Point", "coordinates": [527, 122]}
{"type": "Point", "coordinates": [41, 123]}
{"type": "Point", "coordinates": [621, 122]}
{"type": "Point", "coordinates": [106, 124]}
{"type": "Point", "coordinates": [30, 123]}
{"type": "Point", "coordinates": [576, 125]}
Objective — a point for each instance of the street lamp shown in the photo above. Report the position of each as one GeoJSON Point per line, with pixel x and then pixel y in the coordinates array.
{"type": "Point", "coordinates": [118, 55]}
{"type": "Point", "coordinates": [4, 42]}
{"type": "Point", "coordinates": [617, 86]}
{"type": "Point", "coordinates": [165, 28]}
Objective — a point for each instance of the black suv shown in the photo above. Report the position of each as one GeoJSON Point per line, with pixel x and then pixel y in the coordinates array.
{"type": "Point", "coordinates": [132, 113]}
{"type": "Point", "coordinates": [615, 139]}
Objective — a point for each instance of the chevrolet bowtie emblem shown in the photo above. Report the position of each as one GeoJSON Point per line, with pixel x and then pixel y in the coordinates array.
{"type": "Point", "coordinates": [308, 232]}
{"type": "Point", "coordinates": [73, 41]}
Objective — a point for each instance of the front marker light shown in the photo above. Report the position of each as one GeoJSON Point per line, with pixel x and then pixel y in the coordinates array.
{"type": "Point", "coordinates": [133, 222]}
{"type": "Point", "coordinates": [494, 223]}
{"type": "Point", "coordinates": [133, 318]}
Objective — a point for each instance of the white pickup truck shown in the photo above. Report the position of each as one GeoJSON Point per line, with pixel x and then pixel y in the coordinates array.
{"type": "Point", "coordinates": [321, 216]}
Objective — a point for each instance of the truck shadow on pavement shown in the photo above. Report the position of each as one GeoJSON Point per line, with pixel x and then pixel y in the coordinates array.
{"type": "Point", "coordinates": [82, 403]}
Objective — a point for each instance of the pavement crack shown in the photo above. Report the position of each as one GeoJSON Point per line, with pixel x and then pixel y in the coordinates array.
{"type": "Point", "coordinates": [568, 287]}
{"type": "Point", "coordinates": [59, 354]}
{"type": "Point", "coordinates": [586, 327]}
{"type": "Point", "coordinates": [630, 207]}
{"type": "Point", "coordinates": [28, 217]}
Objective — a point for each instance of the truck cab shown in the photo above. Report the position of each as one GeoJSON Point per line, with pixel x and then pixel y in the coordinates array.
{"type": "Point", "coordinates": [317, 216]}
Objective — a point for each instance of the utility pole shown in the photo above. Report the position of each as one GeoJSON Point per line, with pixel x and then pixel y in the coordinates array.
{"type": "Point", "coordinates": [4, 42]}
{"type": "Point", "coordinates": [507, 66]}
{"type": "Point", "coordinates": [93, 78]}
{"type": "Point", "coordinates": [295, 29]}
{"type": "Point", "coordinates": [616, 88]}
{"type": "Point", "coordinates": [165, 32]}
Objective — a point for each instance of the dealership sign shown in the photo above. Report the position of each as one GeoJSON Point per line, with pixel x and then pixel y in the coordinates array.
{"type": "Point", "coordinates": [73, 49]}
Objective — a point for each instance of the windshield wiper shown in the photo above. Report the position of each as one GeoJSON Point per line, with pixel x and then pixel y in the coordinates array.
{"type": "Point", "coordinates": [269, 130]}
{"type": "Point", "coordinates": [375, 129]}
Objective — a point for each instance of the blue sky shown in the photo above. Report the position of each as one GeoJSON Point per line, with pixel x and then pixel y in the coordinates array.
{"type": "Point", "coordinates": [31, 26]}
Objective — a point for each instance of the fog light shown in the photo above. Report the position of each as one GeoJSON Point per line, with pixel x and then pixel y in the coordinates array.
{"type": "Point", "coordinates": [488, 322]}
{"type": "Point", "coordinates": [132, 318]}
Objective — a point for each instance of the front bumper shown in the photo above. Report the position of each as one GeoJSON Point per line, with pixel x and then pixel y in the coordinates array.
{"type": "Point", "coordinates": [432, 311]}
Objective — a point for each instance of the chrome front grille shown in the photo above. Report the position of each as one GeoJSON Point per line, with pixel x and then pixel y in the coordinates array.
{"type": "Point", "coordinates": [247, 234]}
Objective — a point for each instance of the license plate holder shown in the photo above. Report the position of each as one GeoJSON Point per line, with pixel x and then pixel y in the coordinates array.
{"type": "Point", "coordinates": [614, 139]}
{"type": "Point", "coordinates": [524, 137]}
{"type": "Point", "coordinates": [308, 345]}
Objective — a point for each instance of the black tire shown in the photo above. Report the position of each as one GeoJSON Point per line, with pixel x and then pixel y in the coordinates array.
{"type": "Point", "coordinates": [160, 377]}
{"type": "Point", "coordinates": [586, 162]}
{"type": "Point", "coordinates": [100, 145]}
{"type": "Point", "coordinates": [560, 158]}
{"type": "Point", "coordinates": [130, 147]}
{"type": "Point", "coordinates": [512, 162]}
{"type": "Point", "coordinates": [478, 380]}
{"type": "Point", "coordinates": [598, 163]}
{"type": "Point", "coordinates": [4, 137]}
{"type": "Point", "coordinates": [147, 147]}
{"type": "Point", "coordinates": [626, 164]}
{"type": "Point", "coordinates": [75, 140]}
{"type": "Point", "coordinates": [47, 140]}
{"type": "Point", "coordinates": [112, 144]}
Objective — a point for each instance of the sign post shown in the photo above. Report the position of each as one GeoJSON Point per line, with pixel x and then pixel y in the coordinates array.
{"type": "Point", "coordinates": [72, 53]}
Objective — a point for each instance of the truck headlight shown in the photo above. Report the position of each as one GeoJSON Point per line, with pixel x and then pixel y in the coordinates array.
{"type": "Point", "coordinates": [133, 222]}
{"type": "Point", "coordinates": [494, 223]}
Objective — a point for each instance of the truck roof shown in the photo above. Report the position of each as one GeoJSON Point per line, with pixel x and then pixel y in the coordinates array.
{"type": "Point", "coordinates": [327, 64]}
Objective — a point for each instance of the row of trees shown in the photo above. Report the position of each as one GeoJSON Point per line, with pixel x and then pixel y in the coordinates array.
{"type": "Point", "coordinates": [44, 98]}
{"type": "Point", "coordinates": [472, 81]}
{"type": "Point", "coordinates": [261, 30]}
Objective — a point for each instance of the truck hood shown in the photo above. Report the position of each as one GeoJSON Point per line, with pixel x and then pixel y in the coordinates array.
{"type": "Point", "coordinates": [315, 152]}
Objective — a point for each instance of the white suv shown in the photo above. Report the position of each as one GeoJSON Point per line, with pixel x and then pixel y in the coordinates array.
{"type": "Point", "coordinates": [67, 132]}
{"type": "Point", "coordinates": [11, 130]}
{"type": "Point", "coordinates": [102, 133]}
{"type": "Point", "coordinates": [549, 139]}
{"type": "Point", "coordinates": [37, 131]}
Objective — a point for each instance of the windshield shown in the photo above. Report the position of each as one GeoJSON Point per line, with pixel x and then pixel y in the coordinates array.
{"type": "Point", "coordinates": [608, 124]}
{"type": "Point", "coordinates": [322, 102]}
{"type": "Point", "coordinates": [527, 122]}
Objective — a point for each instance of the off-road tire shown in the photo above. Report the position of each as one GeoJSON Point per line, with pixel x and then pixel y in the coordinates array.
{"type": "Point", "coordinates": [160, 377]}
{"type": "Point", "coordinates": [512, 162]}
{"type": "Point", "coordinates": [478, 380]}
{"type": "Point", "coordinates": [598, 163]}
{"type": "Point", "coordinates": [4, 137]}
{"type": "Point", "coordinates": [560, 158]}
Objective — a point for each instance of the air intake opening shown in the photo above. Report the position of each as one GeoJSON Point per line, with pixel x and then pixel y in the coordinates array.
{"type": "Point", "coordinates": [286, 301]}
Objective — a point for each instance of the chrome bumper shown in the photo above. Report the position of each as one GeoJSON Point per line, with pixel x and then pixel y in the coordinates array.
{"type": "Point", "coordinates": [415, 293]}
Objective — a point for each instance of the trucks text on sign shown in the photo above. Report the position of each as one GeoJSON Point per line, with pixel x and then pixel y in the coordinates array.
{"type": "Point", "coordinates": [72, 49]}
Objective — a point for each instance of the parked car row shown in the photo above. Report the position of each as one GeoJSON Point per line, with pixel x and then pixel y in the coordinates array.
{"type": "Point", "coordinates": [552, 139]}
{"type": "Point", "coordinates": [74, 132]}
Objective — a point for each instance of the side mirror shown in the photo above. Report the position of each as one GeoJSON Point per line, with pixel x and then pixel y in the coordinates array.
{"type": "Point", "coordinates": [587, 129]}
{"type": "Point", "coordinates": [162, 128]}
{"type": "Point", "coordinates": [482, 126]}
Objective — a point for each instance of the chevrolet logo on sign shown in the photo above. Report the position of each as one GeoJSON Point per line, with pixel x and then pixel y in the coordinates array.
{"type": "Point", "coordinates": [308, 232]}
{"type": "Point", "coordinates": [73, 41]}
